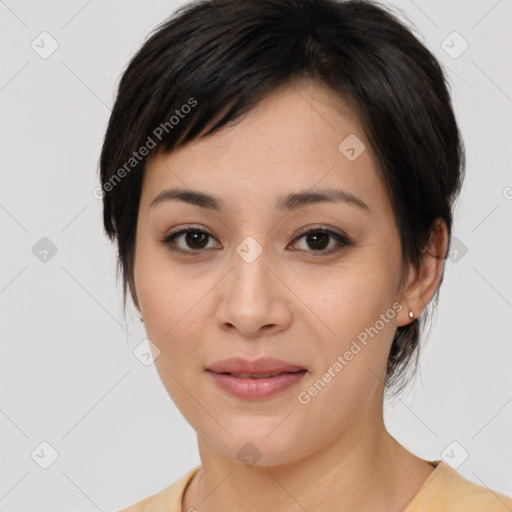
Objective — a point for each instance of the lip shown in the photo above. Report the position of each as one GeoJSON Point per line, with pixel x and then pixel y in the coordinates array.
{"type": "Point", "coordinates": [262, 365]}
{"type": "Point", "coordinates": [254, 388]}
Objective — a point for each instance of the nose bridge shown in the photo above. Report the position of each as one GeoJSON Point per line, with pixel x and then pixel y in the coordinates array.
{"type": "Point", "coordinates": [249, 280]}
{"type": "Point", "coordinates": [252, 296]}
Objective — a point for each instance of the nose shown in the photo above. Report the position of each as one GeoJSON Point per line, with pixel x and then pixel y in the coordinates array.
{"type": "Point", "coordinates": [253, 298]}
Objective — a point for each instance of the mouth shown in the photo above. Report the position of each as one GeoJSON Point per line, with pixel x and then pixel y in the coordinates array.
{"type": "Point", "coordinates": [256, 375]}
{"type": "Point", "coordinates": [256, 387]}
{"type": "Point", "coordinates": [266, 366]}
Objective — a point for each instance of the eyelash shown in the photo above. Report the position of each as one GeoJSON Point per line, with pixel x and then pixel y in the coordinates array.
{"type": "Point", "coordinates": [343, 240]}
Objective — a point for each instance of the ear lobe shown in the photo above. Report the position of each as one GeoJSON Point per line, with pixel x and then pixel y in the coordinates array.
{"type": "Point", "coordinates": [423, 282]}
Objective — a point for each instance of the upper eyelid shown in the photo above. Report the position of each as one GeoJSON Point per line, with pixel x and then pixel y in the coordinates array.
{"type": "Point", "coordinates": [302, 231]}
{"type": "Point", "coordinates": [341, 238]}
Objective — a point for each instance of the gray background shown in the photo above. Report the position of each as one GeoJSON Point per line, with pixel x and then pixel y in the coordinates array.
{"type": "Point", "coordinates": [68, 374]}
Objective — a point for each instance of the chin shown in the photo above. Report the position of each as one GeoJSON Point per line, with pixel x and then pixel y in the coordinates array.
{"type": "Point", "coordinates": [259, 442]}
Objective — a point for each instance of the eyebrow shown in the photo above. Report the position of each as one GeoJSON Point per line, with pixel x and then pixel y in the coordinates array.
{"type": "Point", "coordinates": [289, 202]}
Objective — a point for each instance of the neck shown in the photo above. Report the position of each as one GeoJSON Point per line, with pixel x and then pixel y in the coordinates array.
{"type": "Point", "coordinates": [356, 472]}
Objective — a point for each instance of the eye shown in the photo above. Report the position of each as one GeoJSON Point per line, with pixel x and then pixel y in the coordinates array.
{"type": "Point", "coordinates": [318, 240]}
{"type": "Point", "coordinates": [194, 240]}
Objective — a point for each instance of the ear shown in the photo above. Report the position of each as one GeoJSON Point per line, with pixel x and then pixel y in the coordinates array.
{"type": "Point", "coordinates": [422, 282]}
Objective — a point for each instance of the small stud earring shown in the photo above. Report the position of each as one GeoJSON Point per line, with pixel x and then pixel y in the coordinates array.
{"type": "Point", "coordinates": [411, 314]}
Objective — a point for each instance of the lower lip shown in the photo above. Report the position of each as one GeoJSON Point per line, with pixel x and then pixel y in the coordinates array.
{"type": "Point", "coordinates": [250, 388]}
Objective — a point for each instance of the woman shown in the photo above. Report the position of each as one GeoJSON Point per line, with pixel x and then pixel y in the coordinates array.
{"type": "Point", "coordinates": [279, 176]}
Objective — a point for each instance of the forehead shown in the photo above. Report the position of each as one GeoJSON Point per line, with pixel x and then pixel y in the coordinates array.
{"type": "Point", "coordinates": [295, 138]}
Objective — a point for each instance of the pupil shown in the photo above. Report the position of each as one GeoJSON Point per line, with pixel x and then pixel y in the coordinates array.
{"type": "Point", "coordinates": [319, 240]}
{"type": "Point", "coordinates": [194, 239]}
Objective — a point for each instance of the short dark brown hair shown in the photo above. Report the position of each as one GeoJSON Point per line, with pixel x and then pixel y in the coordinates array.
{"type": "Point", "coordinates": [221, 57]}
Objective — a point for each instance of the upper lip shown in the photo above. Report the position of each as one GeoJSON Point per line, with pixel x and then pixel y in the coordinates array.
{"type": "Point", "coordinates": [262, 365]}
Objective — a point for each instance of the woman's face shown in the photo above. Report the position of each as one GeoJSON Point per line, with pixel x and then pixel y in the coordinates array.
{"type": "Point", "coordinates": [256, 286]}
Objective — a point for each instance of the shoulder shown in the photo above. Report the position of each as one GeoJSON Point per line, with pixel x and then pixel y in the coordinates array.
{"type": "Point", "coordinates": [167, 500]}
{"type": "Point", "coordinates": [446, 490]}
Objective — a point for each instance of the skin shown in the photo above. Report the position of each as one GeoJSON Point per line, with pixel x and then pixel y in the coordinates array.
{"type": "Point", "coordinates": [291, 303]}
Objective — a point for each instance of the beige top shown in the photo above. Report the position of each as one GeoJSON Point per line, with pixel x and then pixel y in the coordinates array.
{"type": "Point", "coordinates": [445, 490]}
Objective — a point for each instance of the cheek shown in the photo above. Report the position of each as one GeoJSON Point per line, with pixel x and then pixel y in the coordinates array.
{"type": "Point", "coordinates": [171, 308]}
{"type": "Point", "coordinates": [354, 296]}
{"type": "Point", "coordinates": [352, 362]}
{"type": "Point", "coordinates": [359, 307]}
{"type": "Point", "coordinates": [167, 295]}
{"type": "Point", "coordinates": [172, 304]}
